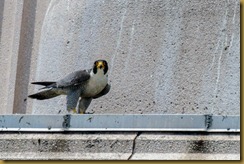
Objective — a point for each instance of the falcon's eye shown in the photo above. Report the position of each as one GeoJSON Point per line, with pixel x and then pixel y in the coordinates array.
{"type": "Point", "coordinates": [104, 63]}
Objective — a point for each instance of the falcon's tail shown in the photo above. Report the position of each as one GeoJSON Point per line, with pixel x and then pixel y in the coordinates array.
{"type": "Point", "coordinates": [46, 94]}
{"type": "Point", "coordinates": [44, 83]}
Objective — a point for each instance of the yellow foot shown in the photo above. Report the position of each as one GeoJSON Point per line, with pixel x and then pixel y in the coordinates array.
{"type": "Point", "coordinates": [73, 111]}
{"type": "Point", "coordinates": [81, 112]}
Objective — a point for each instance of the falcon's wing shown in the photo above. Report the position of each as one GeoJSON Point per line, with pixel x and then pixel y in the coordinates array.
{"type": "Point", "coordinates": [103, 92]}
{"type": "Point", "coordinates": [73, 79]}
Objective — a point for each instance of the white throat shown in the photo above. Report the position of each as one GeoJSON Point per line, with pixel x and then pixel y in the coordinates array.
{"type": "Point", "coordinates": [97, 82]}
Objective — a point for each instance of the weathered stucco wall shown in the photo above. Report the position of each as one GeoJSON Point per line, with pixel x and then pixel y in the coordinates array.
{"type": "Point", "coordinates": [170, 57]}
{"type": "Point", "coordinates": [164, 56]}
{"type": "Point", "coordinates": [20, 31]}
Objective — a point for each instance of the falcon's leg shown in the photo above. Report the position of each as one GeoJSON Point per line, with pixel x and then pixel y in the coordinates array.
{"type": "Point", "coordinates": [83, 104]}
{"type": "Point", "coordinates": [72, 99]}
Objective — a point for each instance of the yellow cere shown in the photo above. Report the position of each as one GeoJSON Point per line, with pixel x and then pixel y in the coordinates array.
{"type": "Point", "coordinates": [100, 63]}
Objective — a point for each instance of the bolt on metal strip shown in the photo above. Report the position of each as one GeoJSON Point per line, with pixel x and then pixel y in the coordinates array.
{"type": "Point", "coordinates": [208, 120]}
{"type": "Point", "coordinates": [116, 122]}
{"type": "Point", "coordinates": [66, 122]}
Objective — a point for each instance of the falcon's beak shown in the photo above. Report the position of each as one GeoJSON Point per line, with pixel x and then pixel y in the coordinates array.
{"type": "Point", "coordinates": [100, 65]}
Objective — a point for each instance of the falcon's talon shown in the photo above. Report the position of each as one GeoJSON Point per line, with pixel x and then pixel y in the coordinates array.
{"type": "Point", "coordinates": [74, 111]}
{"type": "Point", "coordinates": [84, 84]}
{"type": "Point", "coordinates": [90, 112]}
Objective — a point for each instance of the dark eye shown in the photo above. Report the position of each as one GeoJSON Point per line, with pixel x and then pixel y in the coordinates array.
{"type": "Point", "coordinates": [104, 63]}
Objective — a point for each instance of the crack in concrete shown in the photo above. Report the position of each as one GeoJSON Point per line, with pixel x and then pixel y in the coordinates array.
{"type": "Point", "coordinates": [134, 145]}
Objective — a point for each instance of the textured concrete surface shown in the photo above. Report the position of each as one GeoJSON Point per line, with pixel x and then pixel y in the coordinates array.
{"type": "Point", "coordinates": [10, 18]}
{"type": "Point", "coordinates": [20, 30]}
{"type": "Point", "coordinates": [164, 56]}
{"type": "Point", "coordinates": [70, 146]}
{"type": "Point", "coordinates": [123, 146]}
{"type": "Point", "coordinates": [175, 146]}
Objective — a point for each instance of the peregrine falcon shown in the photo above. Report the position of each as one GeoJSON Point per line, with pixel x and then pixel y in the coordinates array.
{"type": "Point", "coordinates": [84, 84]}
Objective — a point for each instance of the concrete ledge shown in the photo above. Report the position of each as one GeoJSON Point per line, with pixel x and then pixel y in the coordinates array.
{"type": "Point", "coordinates": [175, 146]}
{"type": "Point", "coordinates": [65, 156]}
{"type": "Point", "coordinates": [120, 146]}
{"type": "Point", "coordinates": [70, 146]}
{"type": "Point", "coordinates": [184, 156]}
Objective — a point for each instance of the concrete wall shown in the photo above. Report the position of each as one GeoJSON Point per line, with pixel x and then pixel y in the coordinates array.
{"type": "Point", "coordinates": [20, 31]}
{"type": "Point", "coordinates": [164, 56]}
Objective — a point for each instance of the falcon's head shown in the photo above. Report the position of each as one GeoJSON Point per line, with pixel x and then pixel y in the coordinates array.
{"type": "Point", "coordinates": [100, 65]}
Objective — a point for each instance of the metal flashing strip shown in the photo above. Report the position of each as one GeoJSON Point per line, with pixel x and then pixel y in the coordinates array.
{"type": "Point", "coordinates": [120, 122]}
